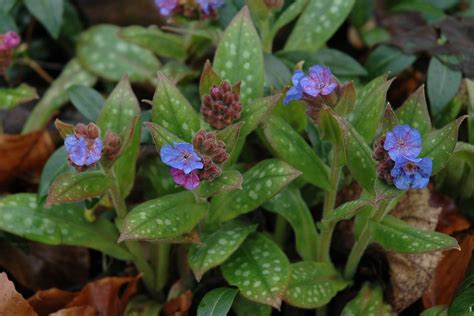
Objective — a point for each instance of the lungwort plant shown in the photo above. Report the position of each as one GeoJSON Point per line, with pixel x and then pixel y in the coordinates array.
{"type": "Point", "coordinates": [243, 190]}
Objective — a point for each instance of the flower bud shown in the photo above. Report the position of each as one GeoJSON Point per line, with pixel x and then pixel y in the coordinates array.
{"type": "Point", "coordinates": [212, 152]}
{"type": "Point", "coordinates": [222, 106]}
{"type": "Point", "coordinates": [111, 145]}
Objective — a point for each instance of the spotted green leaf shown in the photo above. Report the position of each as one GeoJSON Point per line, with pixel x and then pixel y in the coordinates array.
{"type": "Point", "coordinates": [261, 182]}
{"type": "Point", "coordinates": [120, 110]}
{"type": "Point", "coordinates": [87, 101]}
{"type": "Point", "coordinates": [161, 136]}
{"type": "Point", "coordinates": [313, 284]}
{"type": "Point", "coordinates": [49, 13]}
{"type": "Point", "coordinates": [57, 94]}
{"type": "Point", "coordinates": [368, 302]}
{"type": "Point", "coordinates": [63, 224]}
{"type": "Point", "coordinates": [152, 38]}
{"type": "Point", "coordinates": [346, 211]}
{"type": "Point", "coordinates": [230, 180]}
{"type": "Point", "coordinates": [289, 146]}
{"type": "Point", "coordinates": [396, 235]}
{"type": "Point", "coordinates": [208, 79]}
{"type": "Point", "coordinates": [439, 310]}
{"type": "Point", "coordinates": [217, 247]}
{"type": "Point", "coordinates": [230, 136]}
{"type": "Point", "coordinates": [414, 112]}
{"type": "Point", "coordinates": [11, 97]}
{"type": "Point", "coordinates": [358, 156]}
{"type": "Point", "coordinates": [167, 217]}
{"type": "Point", "coordinates": [318, 22]}
{"type": "Point", "coordinates": [289, 204]}
{"type": "Point", "coordinates": [290, 13]}
{"type": "Point", "coordinates": [370, 107]}
{"type": "Point", "coordinates": [260, 270]}
{"type": "Point", "coordinates": [217, 302]}
{"type": "Point", "coordinates": [239, 57]}
{"type": "Point", "coordinates": [75, 187]}
{"type": "Point", "coordinates": [329, 126]}
{"type": "Point", "coordinates": [439, 144]}
{"type": "Point", "coordinates": [172, 111]}
{"type": "Point", "coordinates": [104, 53]}
{"type": "Point", "coordinates": [390, 119]}
{"type": "Point", "coordinates": [56, 164]}
{"type": "Point", "coordinates": [245, 307]}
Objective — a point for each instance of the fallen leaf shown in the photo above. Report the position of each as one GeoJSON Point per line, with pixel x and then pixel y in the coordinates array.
{"type": "Point", "coordinates": [23, 156]}
{"type": "Point", "coordinates": [449, 273]}
{"type": "Point", "coordinates": [76, 311]}
{"type": "Point", "coordinates": [179, 306]}
{"type": "Point", "coordinates": [450, 220]}
{"type": "Point", "coordinates": [49, 301]}
{"type": "Point", "coordinates": [11, 302]}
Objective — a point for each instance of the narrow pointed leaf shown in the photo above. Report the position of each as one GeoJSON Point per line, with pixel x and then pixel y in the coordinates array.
{"type": "Point", "coordinates": [292, 148]}
{"type": "Point", "coordinates": [396, 235]}
{"type": "Point", "coordinates": [104, 53]}
{"type": "Point", "coordinates": [161, 136]}
{"type": "Point", "coordinates": [217, 247]}
{"type": "Point", "coordinates": [230, 136]}
{"type": "Point", "coordinates": [260, 270]}
{"type": "Point", "coordinates": [346, 211]}
{"type": "Point", "coordinates": [217, 302]}
{"type": "Point", "coordinates": [172, 111]}
{"type": "Point", "coordinates": [63, 224]}
{"type": "Point", "coordinates": [329, 126]}
{"type": "Point", "coordinates": [439, 144]}
{"type": "Point", "coordinates": [75, 187]}
{"type": "Point", "coordinates": [164, 218]}
{"type": "Point", "coordinates": [56, 165]}
{"type": "Point", "coordinates": [390, 119]}
{"type": "Point", "coordinates": [260, 184]}
{"type": "Point", "coordinates": [208, 79]}
{"type": "Point", "coordinates": [368, 302]}
{"type": "Point", "coordinates": [11, 97]}
{"type": "Point", "coordinates": [414, 112]}
{"type": "Point", "coordinates": [49, 13]}
{"type": "Point", "coordinates": [239, 57]}
{"type": "Point", "coordinates": [290, 13]}
{"type": "Point", "coordinates": [346, 103]}
{"type": "Point", "coordinates": [87, 101]}
{"type": "Point", "coordinates": [313, 284]}
{"type": "Point", "coordinates": [230, 180]}
{"type": "Point", "coordinates": [254, 113]}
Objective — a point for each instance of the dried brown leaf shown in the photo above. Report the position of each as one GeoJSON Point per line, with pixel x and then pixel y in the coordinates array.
{"type": "Point", "coordinates": [76, 311]}
{"type": "Point", "coordinates": [49, 301]}
{"type": "Point", "coordinates": [450, 220]}
{"type": "Point", "coordinates": [11, 302]}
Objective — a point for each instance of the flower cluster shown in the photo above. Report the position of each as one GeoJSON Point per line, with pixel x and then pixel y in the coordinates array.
{"type": "Point", "coordinates": [189, 8]}
{"type": "Point", "coordinates": [397, 153]}
{"type": "Point", "coordinates": [84, 147]}
{"type": "Point", "coordinates": [8, 42]}
{"type": "Point", "coordinates": [222, 106]}
{"type": "Point", "coordinates": [192, 163]}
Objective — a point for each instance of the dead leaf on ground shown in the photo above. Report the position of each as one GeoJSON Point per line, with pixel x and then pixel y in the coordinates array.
{"type": "Point", "coordinates": [450, 273]}
{"type": "Point", "coordinates": [450, 220]}
{"type": "Point", "coordinates": [76, 311]}
{"type": "Point", "coordinates": [49, 301]}
{"type": "Point", "coordinates": [410, 274]}
{"type": "Point", "coordinates": [23, 156]}
{"type": "Point", "coordinates": [11, 302]}
{"type": "Point", "coordinates": [179, 300]}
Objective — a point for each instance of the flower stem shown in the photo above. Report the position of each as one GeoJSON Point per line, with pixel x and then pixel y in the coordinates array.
{"type": "Point", "coordinates": [160, 258]}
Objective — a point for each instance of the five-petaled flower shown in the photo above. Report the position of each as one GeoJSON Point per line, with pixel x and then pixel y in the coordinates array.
{"type": "Point", "coordinates": [166, 6]}
{"type": "Point", "coordinates": [83, 151]}
{"type": "Point", "coordinates": [403, 141]}
{"type": "Point", "coordinates": [181, 156]}
{"type": "Point", "coordinates": [411, 173]}
{"type": "Point", "coordinates": [189, 181]}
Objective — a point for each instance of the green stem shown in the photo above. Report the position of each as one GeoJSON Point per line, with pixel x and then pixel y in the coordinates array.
{"type": "Point", "coordinates": [160, 258]}
{"type": "Point", "coordinates": [267, 36]}
{"type": "Point", "coordinates": [281, 230]}
{"type": "Point", "coordinates": [329, 202]}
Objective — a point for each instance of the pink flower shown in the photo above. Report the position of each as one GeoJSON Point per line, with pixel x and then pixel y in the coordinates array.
{"type": "Point", "coordinates": [189, 181]}
{"type": "Point", "coordinates": [9, 40]}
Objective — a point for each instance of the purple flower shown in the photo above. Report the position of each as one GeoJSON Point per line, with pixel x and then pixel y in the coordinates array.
{"type": "Point", "coordinates": [181, 156]}
{"type": "Point", "coordinates": [411, 173]}
{"type": "Point", "coordinates": [208, 6]}
{"type": "Point", "coordinates": [11, 39]}
{"type": "Point", "coordinates": [82, 151]}
{"type": "Point", "coordinates": [318, 82]}
{"type": "Point", "coordinates": [295, 92]}
{"type": "Point", "coordinates": [188, 181]}
{"type": "Point", "coordinates": [166, 6]}
{"type": "Point", "coordinates": [403, 141]}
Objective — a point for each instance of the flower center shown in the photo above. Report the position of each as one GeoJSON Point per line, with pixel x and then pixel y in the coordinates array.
{"type": "Point", "coordinates": [410, 166]}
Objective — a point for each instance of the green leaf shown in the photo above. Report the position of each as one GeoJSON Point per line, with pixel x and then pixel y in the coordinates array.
{"type": "Point", "coordinates": [294, 114]}
{"type": "Point", "coordinates": [313, 284]}
{"type": "Point", "coordinates": [290, 13]}
{"type": "Point", "coordinates": [56, 165]}
{"type": "Point", "coordinates": [390, 119]}
{"type": "Point", "coordinates": [171, 110]}
{"type": "Point", "coordinates": [120, 110]}
{"type": "Point", "coordinates": [7, 23]}
{"type": "Point", "coordinates": [470, 109]}
{"type": "Point", "coordinates": [346, 103]}
{"type": "Point", "coordinates": [161, 136]}
{"type": "Point", "coordinates": [230, 180]}
{"type": "Point", "coordinates": [329, 126]}
{"type": "Point", "coordinates": [277, 74]}
{"type": "Point", "coordinates": [388, 59]}
{"type": "Point", "coordinates": [49, 13]}
{"type": "Point", "coordinates": [289, 204]}
{"type": "Point", "coordinates": [152, 38]}
{"type": "Point", "coordinates": [75, 187]}
{"type": "Point", "coordinates": [217, 302]}
{"type": "Point", "coordinates": [261, 182]}
{"type": "Point", "coordinates": [395, 235]}
{"type": "Point", "coordinates": [57, 95]}
{"type": "Point", "coordinates": [440, 310]}
{"type": "Point", "coordinates": [64, 224]}
{"type": "Point", "coordinates": [414, 112]}
{"type": "Point", "coordinates": [217, 247]}
{"type": "Point", "coordinates": [7, 5]}
{"type": "Point", "coordinates": [439, 144]}
{"type": "Point", "coordinates": [318, 22]}
{"type": "Point", "coordinates": [370, 107]}
{"type": "Point", "coordinates": [346, 211]}
{"type": "Point", "coordinates": [292, 148]}
{"type": "Point", "coordinates": [260, 270]}
{"type": "Point", "coordinates": [443, 84]}
{"type": "Point", "coordinates": [167, 217]}
{"type": "Point", "coordinates": [142, 305]}
{"type": "Point", "coordinates": [87, 101]}
{"type": "Point", "coordinates": [177, 71]}
{"type": "Point", "coordinates": [11, 97]}
{"type": "Point", "coordinates": [462, 303]}
{"type": "Point", "coordinates": [239, 57]}
{"type": "Point", "coordinates": [230, 136]}
{"type": "Point", "coordinates": [358, 156]}
{"type": "Point", "coordinates": [245, 307]}
{"type": "Point", "coordinates": [208, 79]}
{"type": "Point", "coordinates": [368, 302]}
{"type": "Point", "coordinates": [104, 53]}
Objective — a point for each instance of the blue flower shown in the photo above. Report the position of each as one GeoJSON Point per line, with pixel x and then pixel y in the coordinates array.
{"type": "Point", "coordinates": [403, 141]}
{"type": "Point", "coordinates": [411, 173]}
{"type": "Point", "coordinates": [181, 156]}
{"type": "Point", "coordinates": [319, 81]}
{"type": "Point", "coordinates": [82, 151]}
{"type": "Point", "coordinates": [166, 6]}
{"type": "Point", "coordinates": [295, 92]}
{"type": "Point", "coordinates": [208, 6]}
